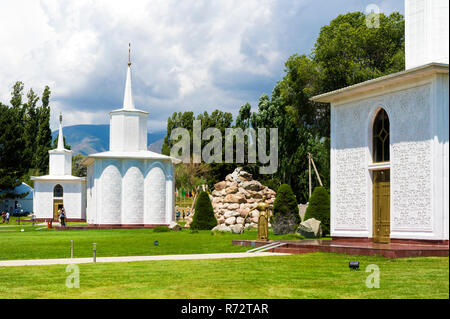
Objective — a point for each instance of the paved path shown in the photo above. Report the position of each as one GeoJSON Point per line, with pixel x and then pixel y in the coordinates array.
{"type": "Point", "coordinates": [67, 261]}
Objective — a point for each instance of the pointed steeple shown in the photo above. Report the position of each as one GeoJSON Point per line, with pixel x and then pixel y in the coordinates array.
{"type": "Point", "coordinates": [60, 135]}
{"type": "Point", "coordinates": [128, 102]}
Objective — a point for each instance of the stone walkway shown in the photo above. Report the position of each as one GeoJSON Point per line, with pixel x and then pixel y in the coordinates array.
{"type": "Point", "coordinates": [67, 261]}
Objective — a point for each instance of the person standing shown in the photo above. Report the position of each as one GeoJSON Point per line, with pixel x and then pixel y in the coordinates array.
{"type": "Point", "coordinates": [62, 216]}
{"type": "Point", "coordinates": [7, 217]}
{"type": "Point", "coordinates": [3, 217]}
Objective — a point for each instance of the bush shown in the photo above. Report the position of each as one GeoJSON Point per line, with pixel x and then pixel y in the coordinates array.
{"type": "Point", "coordinates": [204, 218]}
{"type": "Point", "coordinates": [161, 229]}
{"type": "Point", "coordinates": [285, 218]}
{"type": "Point", "coordinates": [319, 208]}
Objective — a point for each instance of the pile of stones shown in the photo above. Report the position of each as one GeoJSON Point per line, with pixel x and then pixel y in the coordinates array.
{"type": "Point", "coordinates": [235, 200]}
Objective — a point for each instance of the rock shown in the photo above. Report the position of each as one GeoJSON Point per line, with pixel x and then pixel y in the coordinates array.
{"type": "Point", "coordinates": [221, 227]}
{"type": "Point", "coordinates": [229, 178]}
{"type": "Point", "coordinates": [230, 213]}
{"type": "Point", "coordinates": [233, 206]}
{"type": "Point", "coordinates": [230, 221]}
{"type": "Point", "coordinates": [237, 229]}
{"type": "Point", "coordinates": [240, 220]}
{"type": "Point", "coordinates": [220, 185]}
{"type": "Point", "coordinates": [175, 226]}
{"type": "Point", "coordinates": [234, 198]}
{"type": "Point", "coordinates": [252, 185]}
{"type": "Point", "coordinates": [283, 225]}
{"type": "Point", "coordinates": [231, 190]}
{"type": "Point", "coordinates": [310, 228]}
{"type": "Point", "coordinates": [243, 211]}
{"type": "Point", "coordinates": [254, 213]}
{"type": "Point", "coordinates": [245, 176]}
{"type": "Point", "coordinates": [302, 210]}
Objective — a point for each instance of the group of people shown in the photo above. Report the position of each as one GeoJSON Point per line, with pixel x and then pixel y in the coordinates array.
{"type": "Point", "coordinates": [184, 214]}
{"type": "Point", "coordinates": [5, 217]}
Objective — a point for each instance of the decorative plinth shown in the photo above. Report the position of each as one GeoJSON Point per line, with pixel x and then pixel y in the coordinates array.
{"type": "Point", "coordinates": [365, 248]}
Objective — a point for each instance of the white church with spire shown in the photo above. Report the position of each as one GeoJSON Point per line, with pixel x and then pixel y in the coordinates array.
{"type": "Point", "coordinates": [59, 188]}
{"type": "Point", "coordinates": [129, 185]}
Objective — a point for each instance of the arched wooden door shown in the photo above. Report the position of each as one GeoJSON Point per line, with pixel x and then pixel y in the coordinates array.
{"type": "Point", "coordinates": [381, 206]}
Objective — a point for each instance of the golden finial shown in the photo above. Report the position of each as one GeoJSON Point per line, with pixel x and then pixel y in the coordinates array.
{"type": "Point", "coordinates": [129, 54]}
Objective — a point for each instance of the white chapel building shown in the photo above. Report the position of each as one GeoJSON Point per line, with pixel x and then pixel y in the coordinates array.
{"type": "Point", "coordinates": [389, 141]}
{"type": "Point", "coordinates": [59, 188]}
{"type": "Point", "coordinates": [129, 185]}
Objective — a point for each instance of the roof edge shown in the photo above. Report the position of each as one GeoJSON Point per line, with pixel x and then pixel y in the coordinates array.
{"type": "Point", "coordinates": [427, 69]}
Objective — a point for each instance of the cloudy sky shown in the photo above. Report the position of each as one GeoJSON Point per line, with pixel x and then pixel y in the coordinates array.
{"type": "Point", "coordinates": [187, 55]}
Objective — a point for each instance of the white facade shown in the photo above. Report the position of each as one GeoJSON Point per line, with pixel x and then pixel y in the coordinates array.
{"type": "Point", "coordinates": [418, 110]}
{"type": "Point", "coordinates": [417, 104]}
{"type": "Point", "coordinates": [129, 185]}
{"type": "Point", "coordinates": [73, 197]}
{"type": "Point", "coordinates": [426, 33]}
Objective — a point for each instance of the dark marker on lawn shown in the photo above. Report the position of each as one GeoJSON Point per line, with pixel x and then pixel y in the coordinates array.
{"type": "Point", "coordinates": [156, 243]}
{"type": "Point", "coordinates": [354, 265]}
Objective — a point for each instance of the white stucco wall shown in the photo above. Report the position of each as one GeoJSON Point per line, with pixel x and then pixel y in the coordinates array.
{"type": "Point", "coordinates": [130, 191]}
{"type": "Point", "coordinates": [426, 32]}
{"type": "Point", "coordinates": [418, 209]}
{"type": "Point", "coordinates": [73, 199]}
{"type": "Point", "coordinates": [128, 130]}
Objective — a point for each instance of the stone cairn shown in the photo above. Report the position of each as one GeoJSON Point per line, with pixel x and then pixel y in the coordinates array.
{"type": "Point", "coordinates": [235, 201]}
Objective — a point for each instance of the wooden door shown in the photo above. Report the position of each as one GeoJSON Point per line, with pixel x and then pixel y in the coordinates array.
{"type": "Point", "coordinates": [381, 206]}
{"type": "Point", "coordinates": [57, 204]}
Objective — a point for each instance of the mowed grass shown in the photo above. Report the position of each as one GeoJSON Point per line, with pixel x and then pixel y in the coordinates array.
{"type": "Point", "coordinates": [316, 275]}
{"type": "Point", "coordinates": [39, 243]}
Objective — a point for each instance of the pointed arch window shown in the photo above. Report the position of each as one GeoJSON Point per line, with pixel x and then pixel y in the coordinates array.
{"type": "Point", "coordinates": [381, 137]}
{"type": "Point", "coordinates": [58, 191]}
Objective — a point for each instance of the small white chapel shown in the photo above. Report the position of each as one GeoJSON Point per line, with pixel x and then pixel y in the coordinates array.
{"type": "Point", "coordinates": [59, 188]}
{"type": "Point", "coordinates": [129, 185]}
{"type": "Point", "coordinates": [389, 141]}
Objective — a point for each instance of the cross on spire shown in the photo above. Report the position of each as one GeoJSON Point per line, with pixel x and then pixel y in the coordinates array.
{"type": "Point", "coordinates": [128, 102]}
{"type": "Point", "coordinates": [129, 54]}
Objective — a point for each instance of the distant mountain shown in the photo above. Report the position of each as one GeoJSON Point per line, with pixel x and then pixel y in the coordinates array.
{"type": "Point", "coordinates": [88, 139]}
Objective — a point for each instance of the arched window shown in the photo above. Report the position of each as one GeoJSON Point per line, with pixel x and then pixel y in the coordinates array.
{"type": "Point", "coordinates": [58, 191]}
{"type": "Point", "coordinates": [381, 137]}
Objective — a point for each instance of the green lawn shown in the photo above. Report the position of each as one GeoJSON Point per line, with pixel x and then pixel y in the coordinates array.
{"type": "Point", "coordinates": [317, 275]}
{"type": "Point", "coordinates": [37, 242]}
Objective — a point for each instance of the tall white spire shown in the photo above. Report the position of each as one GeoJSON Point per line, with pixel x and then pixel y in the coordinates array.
{"type": "Point", "coordinates": [60, 135]}
{"type": "Point", "coordinates": [128, 102]}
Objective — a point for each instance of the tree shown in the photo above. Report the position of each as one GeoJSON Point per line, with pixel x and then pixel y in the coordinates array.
{"type": "Point", "coordinates": [204, 218]}
{"type": "Point", "coordinates": [348, 52]}
{"type": "Point", "coordinates": [319, 208]}
{"type": "Point", "coordinates": [78, 169]}
{"type": "Point", "coordinates": [11, 143]}
{"type": "Point", "coordinates": [30, 127]}
{"type": "Point", "coordinates": [285, 218]}
{"type": "Point", "coordinates": [44, 134]}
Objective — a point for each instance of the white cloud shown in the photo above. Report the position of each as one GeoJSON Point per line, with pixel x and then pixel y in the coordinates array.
{"type": "Point", "coordinates": [191, 54]}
